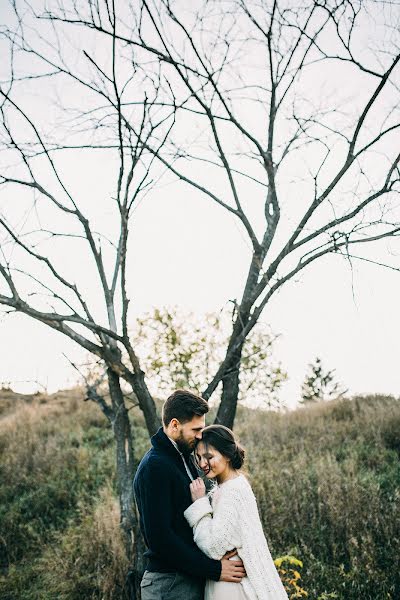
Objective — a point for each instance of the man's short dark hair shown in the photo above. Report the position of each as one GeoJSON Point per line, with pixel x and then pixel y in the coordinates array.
{"type": "Point", "coordinates": [183, 405]}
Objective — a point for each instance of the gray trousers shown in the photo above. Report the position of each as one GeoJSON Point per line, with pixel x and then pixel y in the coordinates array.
{"type": "Point", "coordinates": [170, 586]}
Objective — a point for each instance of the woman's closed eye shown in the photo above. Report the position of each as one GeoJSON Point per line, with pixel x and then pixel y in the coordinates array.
{"type": "Point", "coordinates": [205, 457]}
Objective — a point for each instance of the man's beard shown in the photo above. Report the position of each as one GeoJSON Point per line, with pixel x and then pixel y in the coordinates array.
{"type": "Point", "coordinates": [184, 445]}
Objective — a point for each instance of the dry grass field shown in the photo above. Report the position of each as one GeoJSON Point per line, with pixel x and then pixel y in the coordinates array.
{"type": "Point", "coordinates": [327, 479]}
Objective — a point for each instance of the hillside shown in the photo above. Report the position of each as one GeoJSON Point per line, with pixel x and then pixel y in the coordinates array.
{"type": "Point", "coordinates": [327, 479]}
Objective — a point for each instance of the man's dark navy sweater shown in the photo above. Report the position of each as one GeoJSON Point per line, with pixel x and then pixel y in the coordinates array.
{"type": "Point", "coordinates": [162, 494]}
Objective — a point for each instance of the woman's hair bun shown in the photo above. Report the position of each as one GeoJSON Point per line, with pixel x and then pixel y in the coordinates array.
{"type": "Point", "coordinates": [237, 458]}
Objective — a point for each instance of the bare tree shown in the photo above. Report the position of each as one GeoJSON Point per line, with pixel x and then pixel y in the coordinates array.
{"type": "Point", "coordinates": [282, 114]}
{"type": "Point", "coordinates": [294, 115]}
{"type": "Point", "coordinates": [51, 232]}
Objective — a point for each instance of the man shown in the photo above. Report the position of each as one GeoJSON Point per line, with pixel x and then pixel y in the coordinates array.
{"type": "Point", "coordinates": [176, 566]}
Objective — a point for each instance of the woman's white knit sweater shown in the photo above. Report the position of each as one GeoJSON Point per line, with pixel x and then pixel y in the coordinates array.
{"type": "Point", "coordinates": [232, 521]}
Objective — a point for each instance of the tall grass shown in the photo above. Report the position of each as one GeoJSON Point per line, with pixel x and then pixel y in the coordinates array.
{"type": "Point", "coordinates": [59, 534]}
{"type": "Point", "coordinates": [327, 479]}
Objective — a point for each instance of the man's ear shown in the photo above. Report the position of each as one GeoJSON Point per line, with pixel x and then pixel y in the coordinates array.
{"type": "Point", "coordinates": [174, 424]}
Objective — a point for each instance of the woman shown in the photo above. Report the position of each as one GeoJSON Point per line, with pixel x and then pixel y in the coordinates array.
{"type": "Point", "coordinates": [229, 519]}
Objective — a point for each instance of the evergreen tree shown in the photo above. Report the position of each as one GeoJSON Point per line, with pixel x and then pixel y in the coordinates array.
{"type": "Point", "coordinates": [320, 384]}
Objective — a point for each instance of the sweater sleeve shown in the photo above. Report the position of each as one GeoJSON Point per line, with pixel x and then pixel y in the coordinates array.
{"type": "Point", "coordinates": [215, 532]}
{"type": "Point", "coordinates": [157, 512]}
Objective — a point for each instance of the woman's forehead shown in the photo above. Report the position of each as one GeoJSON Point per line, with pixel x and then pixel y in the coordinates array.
{"type": "Point", "coordinates": [203, 448]}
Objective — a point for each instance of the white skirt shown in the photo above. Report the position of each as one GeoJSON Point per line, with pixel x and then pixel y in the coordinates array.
{"type": "Point", "coordinates": [223, 590]}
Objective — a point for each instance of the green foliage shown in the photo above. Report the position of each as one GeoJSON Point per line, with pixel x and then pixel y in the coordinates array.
{"type": "Point", "coordinates": [84, 560]}
{"type": "Point", "coordinates": [391, 434]}
{"type": "Point", "coordinates": [320, 384]}
{"type": "Point", "coordinates": [180, 350]}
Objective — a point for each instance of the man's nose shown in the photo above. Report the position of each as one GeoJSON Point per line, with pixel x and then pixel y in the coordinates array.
{"type": "Point", "coordinates": [198, 435]}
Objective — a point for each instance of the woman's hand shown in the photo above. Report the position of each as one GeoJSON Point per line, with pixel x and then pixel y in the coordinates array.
{"type": "Point", "coordinates": [197, 489]}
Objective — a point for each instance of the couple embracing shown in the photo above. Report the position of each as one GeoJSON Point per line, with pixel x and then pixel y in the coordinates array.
{"type": "Point", "coordinates": [200, 546]}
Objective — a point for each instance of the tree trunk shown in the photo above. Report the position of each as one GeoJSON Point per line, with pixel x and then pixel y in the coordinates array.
{"type": "Point", "coordinates": [230, 391]}
{"type": "Point", "coordinates": [125, 471]}
{"type": "Point", "coordinates": [138, 562]}
{"type": "Point", "coordinates": [146, 402]}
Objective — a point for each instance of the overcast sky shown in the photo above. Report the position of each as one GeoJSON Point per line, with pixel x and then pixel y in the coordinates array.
{"type": "Point", "coordinates": [346, 314]}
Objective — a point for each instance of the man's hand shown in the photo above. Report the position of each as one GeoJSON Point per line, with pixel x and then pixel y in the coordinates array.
{"type": "Point", "coordinates": [232, 570]}
{"type": "Point", "coordinates": [197, 489]}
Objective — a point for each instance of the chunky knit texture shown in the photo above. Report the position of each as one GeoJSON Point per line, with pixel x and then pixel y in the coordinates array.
{"type": "Point", "coordinates": [232, 521]}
